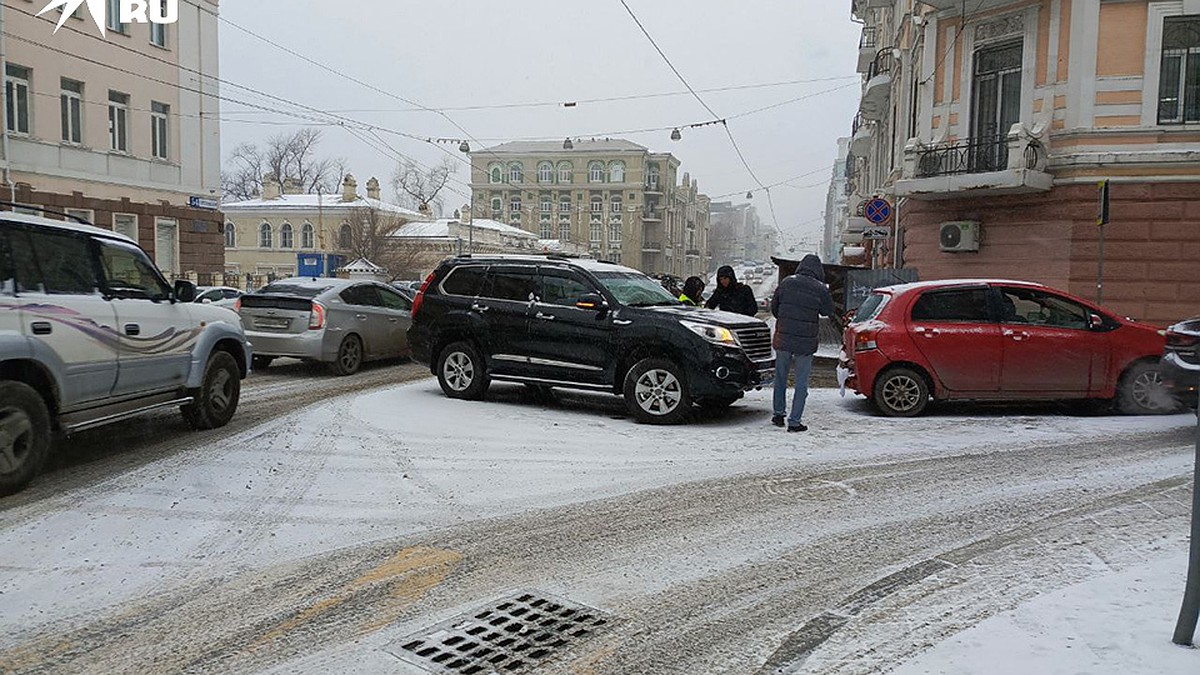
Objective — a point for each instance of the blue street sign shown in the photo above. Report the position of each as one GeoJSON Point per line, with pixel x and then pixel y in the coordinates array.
{"type": "Point", "coordinates": [203, 203]}
{"type": "Point", "coordinates": [878, 211]}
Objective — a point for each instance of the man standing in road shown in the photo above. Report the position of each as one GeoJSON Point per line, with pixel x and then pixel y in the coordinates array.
{"type": "Point", "coordinates": [797, 305]}
{"type": "Point", "coordinates": [731, 296]}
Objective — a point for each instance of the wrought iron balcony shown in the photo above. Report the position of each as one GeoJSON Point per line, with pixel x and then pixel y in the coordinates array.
{"type": "Point", "coordinates": [1011, 163]}
{"type": "Point", "coordinates": [867, 46]}
{"type": "Point", "coordinates": [652, 214]}
{"type": "Point", "coordinates": [972, 155]}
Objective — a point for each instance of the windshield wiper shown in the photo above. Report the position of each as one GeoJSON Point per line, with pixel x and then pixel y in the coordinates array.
{"type": "Point", "coordinates": [659, 303]}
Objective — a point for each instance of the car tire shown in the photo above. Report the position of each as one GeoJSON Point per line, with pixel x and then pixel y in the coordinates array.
{"type": "Point", "coordinates": [261, 362]}
{"type": "Point", "coordinates": [349, 357]}
{"type": "Point", "coordinates": [217, 399]}
{"type": "Point", "coordinates": [656, 392]}
{"type": "Point", "coordinates": [24, 435]}
{"type": "Point", "coordinates": [1141, 391]}
{"type": "Point", "coordinates": [901, 392]}
{"type": "Point", "coordinates": [461, 372]}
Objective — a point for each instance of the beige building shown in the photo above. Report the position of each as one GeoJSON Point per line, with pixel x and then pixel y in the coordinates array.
{"type": "Point", "coordinates": [419, 247]}
{"type": "Point", "coordinates": [989, 133]}
{"type": "Point", "coordinates": [122, 130]}
{"type": "Point", "coordinates": [284, 233]}
{"type": "Point", "coordinates": [615, 197]}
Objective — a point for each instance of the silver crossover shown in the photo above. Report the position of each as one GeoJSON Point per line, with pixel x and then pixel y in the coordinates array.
{"type": "Point", "coordinates": [343, 322]}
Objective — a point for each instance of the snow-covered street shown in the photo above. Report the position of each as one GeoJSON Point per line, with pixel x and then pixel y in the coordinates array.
{"type": "Point", "coordinates": [313, 541]}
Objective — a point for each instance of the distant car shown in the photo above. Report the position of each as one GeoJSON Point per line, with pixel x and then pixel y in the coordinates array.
{"type": "Point", "coordinates": [342, 322]}
{"type": "Point", "coordinates": [998, 340]}
{"type": "Point", "coordinates": [1180, 363]}
{"type": "Point", "coordinates": [222, 296]}
{"type": "Point", "coordinates": [764, 304]}
{"type": "Point", "coordinates": [405, 290]}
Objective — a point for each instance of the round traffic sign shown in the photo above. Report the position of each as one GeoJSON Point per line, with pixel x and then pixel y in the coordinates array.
{"type": "Point", "coordinates": [878, 211]}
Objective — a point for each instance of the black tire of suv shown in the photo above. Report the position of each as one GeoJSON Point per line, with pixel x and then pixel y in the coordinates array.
{"type": "Point", "coordinates": [1141, 391]}
{"type": "Point", "coordinates": [23, 414]}
{"type": "Point", "coordinates": [217, 399]}
{"type": "Point", "coordinates": [471, 380]}
{"type": "Point", "coordinates": [349, 357]}
{"type": "Point", "coordinates": [261, 362]}
{"type": "Point", "coordinates": [675, 385]}
{"type": "Point", "coordinates": [901, 392]}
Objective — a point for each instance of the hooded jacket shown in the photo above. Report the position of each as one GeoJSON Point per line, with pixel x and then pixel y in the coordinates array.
{"type": "Point", "coordinates": [797, 306]}
{"type": "Point", "coordinates": [693, 291]}
{"type": "Point", "coordinates": [737, 298]}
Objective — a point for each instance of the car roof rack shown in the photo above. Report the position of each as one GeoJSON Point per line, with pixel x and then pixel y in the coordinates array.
{"type": "Point", "coordinates": [13, 206]}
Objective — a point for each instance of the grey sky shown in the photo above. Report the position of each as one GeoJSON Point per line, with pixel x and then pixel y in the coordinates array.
{"type": "Point", "coordinates": [478, 52]}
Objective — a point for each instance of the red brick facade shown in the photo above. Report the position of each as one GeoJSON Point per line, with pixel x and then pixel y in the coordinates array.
{"type": "Point", "coordinates": [1151, 247]}
{"type": "Point", "coordinates": [201, 238]}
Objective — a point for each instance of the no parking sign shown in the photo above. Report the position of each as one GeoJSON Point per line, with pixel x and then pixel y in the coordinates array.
{"type": "Point", "coordinates": [878, 211]}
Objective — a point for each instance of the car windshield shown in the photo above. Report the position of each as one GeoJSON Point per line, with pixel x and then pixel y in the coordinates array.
{"type": "Point", "coordinates": [294, 290]}
{"type": "Point", "coordinates": [636, 290]}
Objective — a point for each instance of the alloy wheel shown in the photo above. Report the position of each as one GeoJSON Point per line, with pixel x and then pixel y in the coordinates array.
{"type": "Point", "coordinates": [351, 354]}
{"type": "Point", "coordinates": [1149, 392]}
{"type": "Point", "coordinates": [902, 393]}
{"type": "Point", "coordinates": [458, 371]}
{"type": "Point", "coordinates": [658, 392]}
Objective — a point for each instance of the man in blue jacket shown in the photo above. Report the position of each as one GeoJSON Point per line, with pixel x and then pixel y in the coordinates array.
{"type": "Point", "coordinates": [797, 305]}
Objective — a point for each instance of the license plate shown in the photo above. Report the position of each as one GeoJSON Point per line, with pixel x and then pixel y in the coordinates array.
{"type": "Point", "coordinates": [276, 324]}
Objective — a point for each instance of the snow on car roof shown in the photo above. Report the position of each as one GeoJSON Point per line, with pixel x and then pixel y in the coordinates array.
{"type": "Point", "coordinates": [917, 285]}
{"type": "Point", "coordinates": [42, 221]}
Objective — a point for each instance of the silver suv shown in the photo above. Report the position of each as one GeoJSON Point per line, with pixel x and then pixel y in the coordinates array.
{"type": "Point", "coordinates": [91, 333]}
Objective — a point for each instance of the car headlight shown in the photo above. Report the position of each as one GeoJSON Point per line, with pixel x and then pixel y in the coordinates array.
{"type": "Point", "coordinates": [715, 334]}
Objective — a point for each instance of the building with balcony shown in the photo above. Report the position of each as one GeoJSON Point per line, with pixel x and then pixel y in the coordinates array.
{"type": "Point", "coordinates": [620, 200]}
{"type": "Point", "coordinates": [1003, 121]}
{"type": "Point", "coordinates": [836, 212]}
{"type": "Point", "coordinates": [122, 130]}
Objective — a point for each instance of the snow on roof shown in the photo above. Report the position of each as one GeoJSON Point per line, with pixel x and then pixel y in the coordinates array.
{"type": "Point", "coordinates": [311, 202]}
{"type": "Point", "coordinates": [363, 265]}
{"type": "Point", "coordinates": [541, 147]}
{"type": "Point", "coordinates": [933, 283]}
{"type": "Point", "coordinates": [68, 224]}
{"type": "Point", "coordinates": [441, 228]}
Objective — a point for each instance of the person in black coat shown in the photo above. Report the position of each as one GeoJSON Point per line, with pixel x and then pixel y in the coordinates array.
{"type": "Point", "coordinates": [797, 306]}
{"type": "Point", "coordinates": [732, 296]}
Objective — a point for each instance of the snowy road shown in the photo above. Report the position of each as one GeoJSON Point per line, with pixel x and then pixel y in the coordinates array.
{"type": "Point", "coordinates": [316, 539]}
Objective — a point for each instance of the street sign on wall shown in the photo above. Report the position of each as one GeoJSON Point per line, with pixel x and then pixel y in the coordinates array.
{"type": "Point", "coordinates": [203, 203]}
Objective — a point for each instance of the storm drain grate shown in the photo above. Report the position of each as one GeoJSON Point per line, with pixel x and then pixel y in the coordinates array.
{"type": "Point", "coordinates": [513, 634]}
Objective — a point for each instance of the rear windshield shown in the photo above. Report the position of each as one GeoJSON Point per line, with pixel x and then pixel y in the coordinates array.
{"type": "Point", "coordinates": [870, 308]}
{"type": "Point", "coordinates": [294, 290]}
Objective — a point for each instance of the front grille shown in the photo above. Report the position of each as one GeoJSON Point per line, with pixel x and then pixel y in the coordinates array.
{"type": "Point", "coordinates": [1188, 354]}
{"type": "Point", "coordinates": [756, 341]}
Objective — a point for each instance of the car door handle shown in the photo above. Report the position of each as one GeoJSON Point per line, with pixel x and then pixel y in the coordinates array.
{"type": "Point", "coordinates": [621, 322]}
{"type": "Point", "coordinates": [41, 327]}
{"type": "Point", "coordinates": [544, 317]}
{"type": "Point", "coordinates": [393, 319]}
{"type": "Point", "coordinates": [479, 308]}
{"type": "Point", "coordinates": [361, 317]}
{"type": "Point", "coordinates": [1017, 336]}
{"type": "Point", "coordinates": [927, 332]}
{"type": "Point", "coordinates": [133, 329]}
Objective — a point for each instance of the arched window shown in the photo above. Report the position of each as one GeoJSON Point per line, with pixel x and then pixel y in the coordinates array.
{"type": "Point", "coordinates": [230, 235]}
{"type": "Point", "coordinates": [597, 207]}
{"type": "Point", "coordinates": [545, 172]}
{"type": "Point", "coordinates": [285, 236]}
{"type": "Point", "coordinates": [596, 172]}
{"type": "Point", "coordinates": [265, 239]}
{"type": "Point", "coordinates": [496, 174]}
{"type": "Point", "coordinates": [564, 172]}
{"type": "Point", "coordinates": [617, 204]}
{"type": "Point", "coordinates": [616, 172]}
{"type": "Point", "coordinates": [515, 174]}
{"type": "Point", "coordinates": [307, 236]}
{"type": "Point", "coordinates": [345, 237]}
{"type": "Point", "coordinates": [497, 206]}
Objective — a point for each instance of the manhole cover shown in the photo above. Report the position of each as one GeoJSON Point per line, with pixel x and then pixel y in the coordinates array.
{"type": "Point", "coordinates": [511, 635]}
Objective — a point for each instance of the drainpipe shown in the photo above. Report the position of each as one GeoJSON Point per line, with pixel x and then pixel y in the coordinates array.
{"type": "Point", "coordinates": [12, 188]}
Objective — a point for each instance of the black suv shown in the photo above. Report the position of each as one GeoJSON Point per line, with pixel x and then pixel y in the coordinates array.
{"type": "Point", "coordinates": [1180, 365]}
{"type": "Point", "coordinates": [583, 324]}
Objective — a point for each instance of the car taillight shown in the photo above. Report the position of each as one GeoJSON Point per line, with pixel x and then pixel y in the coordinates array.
{"type": "Point", "coordinates": [865, 341]}
{"type": "Point", "coordinates": [316, 317]}
{"type": "Point", "coordinates": [421, 295]}
{"type": "Point", "coordinates": [1181, 339]}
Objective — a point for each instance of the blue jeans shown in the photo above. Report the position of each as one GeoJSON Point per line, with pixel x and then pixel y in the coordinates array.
{"type": "Point", "coordinates": [783, 365]}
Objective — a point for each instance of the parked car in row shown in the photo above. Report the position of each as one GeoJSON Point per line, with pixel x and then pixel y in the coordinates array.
{"type": "Point", "coordinates": [223, 296]}
{"type": "Point", "coordinates": [998, 340]}
{"type": "Point", "coordinates": [1180, 363]}
{"type": "Point", "coordinates": [342, 322]}
{"type": "Point", "coordinates": [91, 333]}
{"type": "Point", "coordinates": [583, 324]}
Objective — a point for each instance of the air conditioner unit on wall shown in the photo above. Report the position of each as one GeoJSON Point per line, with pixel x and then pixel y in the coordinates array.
{"type": "Point", "coordinates": [959, 236]}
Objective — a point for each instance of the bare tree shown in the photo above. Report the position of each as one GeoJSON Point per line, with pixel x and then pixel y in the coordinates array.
{"type": "Point", "coordinates": [419, 188]}
{"type": "Point", "coordinates": [283, 156]}
{"type": "Point", "coordinates": [369, 238]}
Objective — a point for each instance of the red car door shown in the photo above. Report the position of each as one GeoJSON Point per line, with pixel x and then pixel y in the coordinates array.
{"type": "Point", "coordinates": [955, 332]}
{"type": "Point", "coordinates": [1049, 348]}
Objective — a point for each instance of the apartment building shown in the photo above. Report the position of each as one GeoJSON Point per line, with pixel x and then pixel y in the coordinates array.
{"type": "Point", "coordinates": [738, 234]}
{"type": "Point", "coordinates": [836, 206]}
{"type": "Point", "coordinates": [120, 129]}
{"type": "Point", "coordinates": [989, 131]}
{"type": "Point", "coordinates": [616, 197]}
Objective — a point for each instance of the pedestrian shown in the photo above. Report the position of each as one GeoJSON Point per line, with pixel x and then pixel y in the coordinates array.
{"type": "Point", "coordinates": [732, 296]}
{"type": "Point", "coordinates": [797, 305]}
{"type": "Point", "coordinates": [693, 292]}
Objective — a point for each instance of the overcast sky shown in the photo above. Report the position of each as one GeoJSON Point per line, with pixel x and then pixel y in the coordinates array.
{"type": "Point", "coordinates": [453, 53]}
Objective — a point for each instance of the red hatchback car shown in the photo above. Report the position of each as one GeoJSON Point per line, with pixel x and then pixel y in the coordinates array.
{"type": "Point", "coordinates": [998, 340]}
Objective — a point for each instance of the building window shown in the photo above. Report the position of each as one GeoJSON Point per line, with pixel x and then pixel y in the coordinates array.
{"type": "Point", "coordinates": [496, 174]}
{"type": "Point", "coordinates": [126, 224]}
{"type": "Point", "coordinates": [614, 233]}
{"type": "Point", "coordinates": [230, 235]}
{"type": "Point", "coordinates": [497, 206]}
{"type": "Point", "coordinates": [997, 90]}
{"type": "Point", "coordinates": [159, 140]}
{"type": "Point", "coordinates": [617, 204]}
{"type": "Point", "coordinates": [595, 231]}
{"type": "Point", "coordinates": [286, 239]}
{"type": "Point", "coordinates": [515, 218]}
{"type": "Point", "coordinates": [546, 229]}
{"type": "Point", "coordinates": [118, 121]}
{"type": "Point", "coordinates": [345, 237]}
{"type": "Point", "coordinates": [265, 238]}
{"type": "Point", "coordinates": [114, 17]}
{"type": "Point", "coordinates": [547, 205]}
{"type": "Point", "coordinates": [514, 203]}
{"type": "Point", "coordinates": [616, 172]}
{"type": "Point", "coordinates": [166, 246]}
{"type": "Point", "coordinates": [564, 203]}
{"type": "Point", "coordinates": [545, 172]}
{"type": "Point", "coordinates": [307, 236]}
{"type": "Point", "coordinates": [158, 35]}
{"type": "Point", "coordinates": [16, 98]}
{"type": "Point", "coordinates": [72, 111]}
{"type": "Point", "coordinates": [596, 172]}
{"type": "Point", "coordinates": [1179, 74]}
{"type": "Point", "coordinates": [564, 172]}
{"type": "Point", "coordinates": [615, 256]}
{"type": "Point", "coordinates": [564, 228]}
{"type": "Point", "coordinates": [515, 173]}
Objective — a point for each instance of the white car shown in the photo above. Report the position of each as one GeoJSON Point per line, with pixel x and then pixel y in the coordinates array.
{"type": "Point", "coordinates": [221, 296]}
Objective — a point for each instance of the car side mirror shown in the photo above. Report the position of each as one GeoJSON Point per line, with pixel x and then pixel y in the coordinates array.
{"type": "Point", "coordinates": [185, 291]}
{"type": "Point", "coordinates": [592, 301]}
{"type": "Point", "coordinates": [1096, 321]}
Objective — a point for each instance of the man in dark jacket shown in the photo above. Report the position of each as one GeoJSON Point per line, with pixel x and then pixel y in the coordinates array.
{"type": "Point", "coordinates": [731, 296]}
{"type": "Point", "coordinates": [797, 305]}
